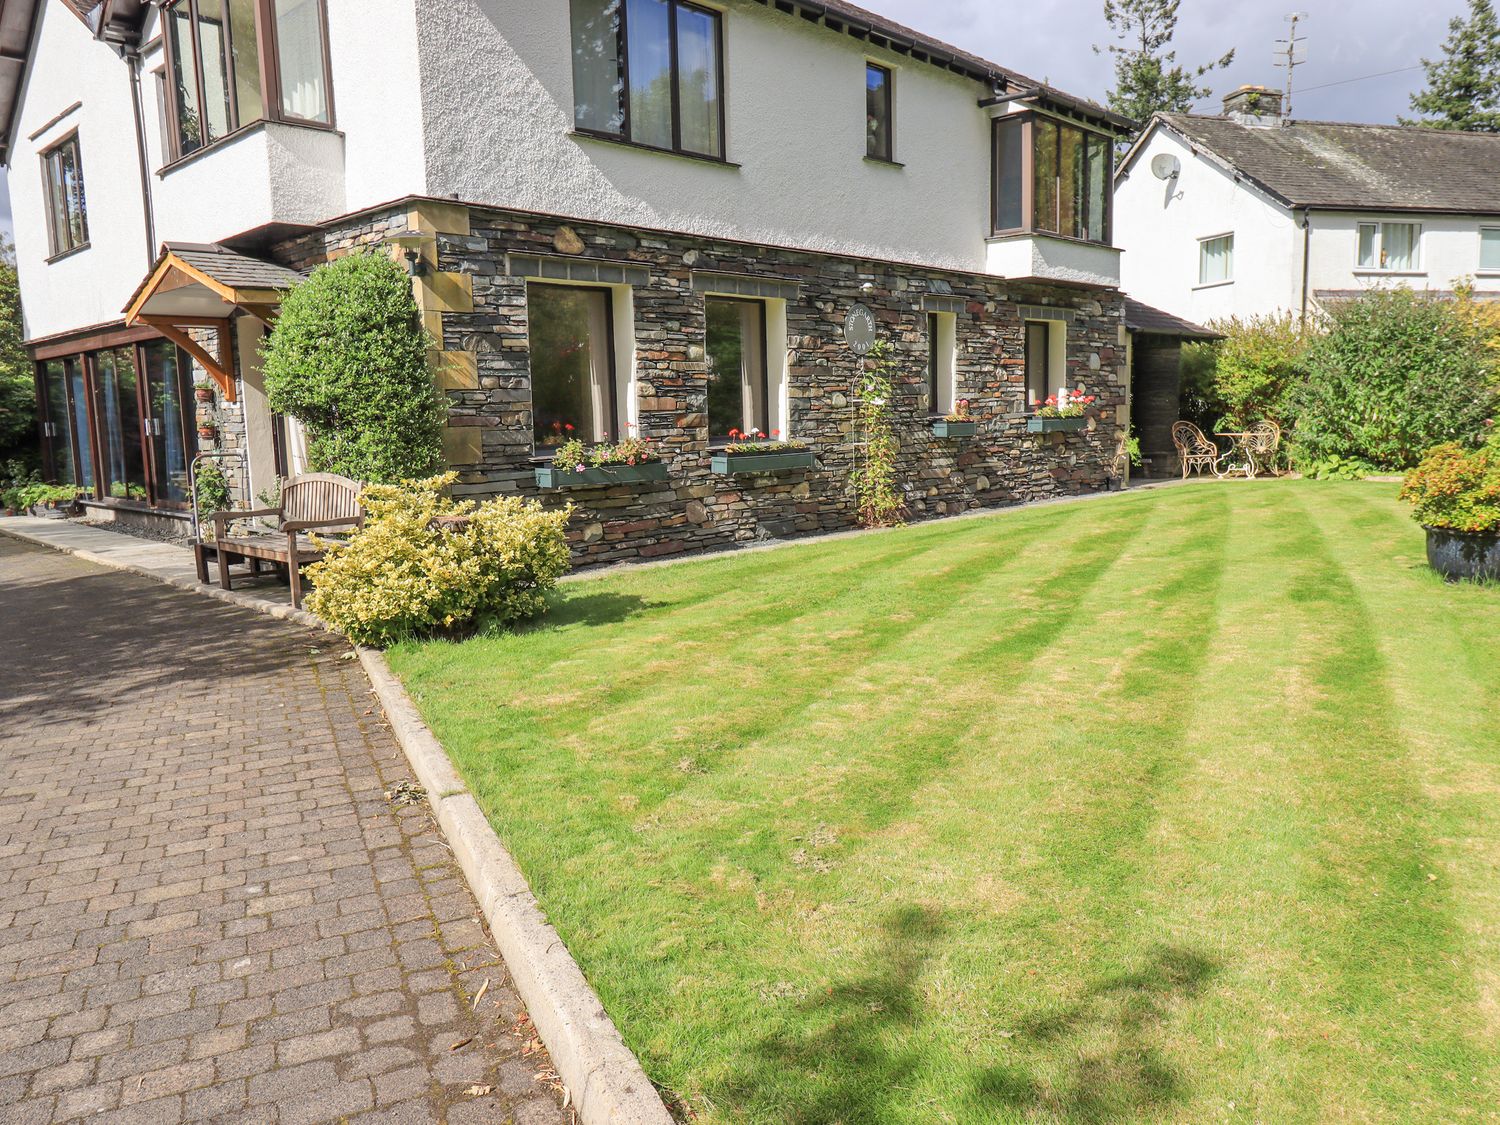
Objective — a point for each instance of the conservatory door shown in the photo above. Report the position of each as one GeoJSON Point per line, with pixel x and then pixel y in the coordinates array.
{"type": "Point", "coordinates": [168, 422]}
{"type": "Point", "coordinates": [117, 413]}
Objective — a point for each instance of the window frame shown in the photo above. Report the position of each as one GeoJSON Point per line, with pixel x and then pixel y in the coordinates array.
{"type": "Point", "coordinates": [56, 247]}
{"type": "Point", "coordinates": [1416, 269]}
{"type": "Point", "coordinates": [889, 155]}
{"type": "Point", "coordinates": [942, 363]}
{"type": "Point", "coordinates": [625, 135]}
{"type": "Point", "coordinates": [764, 375]}
{"type": "Point", "coordinates": [1203, 243]}
{"type": "Point", "coordinates": [1484, 270]}
{"type": "Point", "coordinates": [616, 424]}
{"type": "Point", "coordinates": [268, 65]}
{"type": "Point", "coordinates": [1027, 327]}
{"type": "Point", "coordinates": [1027, 121]}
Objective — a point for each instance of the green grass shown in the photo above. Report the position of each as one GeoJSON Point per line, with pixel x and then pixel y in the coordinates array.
{"type": "Point", "coordinates": [1176, 806]}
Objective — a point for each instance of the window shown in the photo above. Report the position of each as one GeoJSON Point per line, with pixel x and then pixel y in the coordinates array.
{"type": "Point", "coordinates": [1051, 176]}
{"type": "Point", "coordinates": [67, 213]}
{"type": "Point", "coordinates": [1038, 361]}
{"type": "Point", "coordinates": [649, 72]}
{"type": "Point", "coordinates": [1216, 259]}
{"type": "Point", "coordinates": [571, 333]}
{"type": "Point", "coordinates": [1390, 246]}
{"type": "Point", "coordinates": [1489, 249]}
{"type": "Point", "coordinates": [225, 55]}
{"type": "Point", "coordinates": [942, 359]}
{"type": "Point", "coordinates": [738, 372]}
{"type": "Point", "coordinates": [879, 113]}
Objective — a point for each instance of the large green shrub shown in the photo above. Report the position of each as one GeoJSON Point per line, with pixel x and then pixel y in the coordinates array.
{"type": "Point", "coordinates": [423, 563]}
{"type": "Point", "coordinates": [348, 358]}
{"type": "Point", "coordinates": [1395, 374]}
{"type": "Point", "coordinates": [1259, 369]}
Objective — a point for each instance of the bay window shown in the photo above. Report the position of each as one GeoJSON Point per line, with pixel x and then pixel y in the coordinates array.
{"type": "Point", "coordinates": [234, 62]}
{"type": "Point", "coordinates": [649, 72]}
{"type": "Point", "coordinates": [1052, 177]}
{"type": "Point", "coordinates": [1390, 246]}
{"type": "Point", "coordinates": [571, 336]}
{"type": "Point", "coordinates": [739, 394]}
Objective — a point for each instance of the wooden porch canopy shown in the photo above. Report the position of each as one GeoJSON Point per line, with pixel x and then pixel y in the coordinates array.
{"type": "Point", "coordinates": [193, 285]}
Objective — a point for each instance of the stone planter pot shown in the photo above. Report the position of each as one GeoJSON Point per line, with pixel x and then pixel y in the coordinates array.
{"type": "Point", "coordinates": [203, 394]}
{"type": "Point", "coordinates": [1464, 555]}
{"type": "Point", "coordinates": [1038, 425]}
{"type": "Point", "coordinates": [208, 433]}
{"type": "Point", "coordinates": [739, 464]}
{"type": "Point", "coordinates": [943, 428]}
{"type": "Point", "coordinates": [552, 477]}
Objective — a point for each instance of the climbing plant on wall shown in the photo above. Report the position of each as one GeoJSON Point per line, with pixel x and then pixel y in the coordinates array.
{"type": "Point", "coordinates": [880, 502]}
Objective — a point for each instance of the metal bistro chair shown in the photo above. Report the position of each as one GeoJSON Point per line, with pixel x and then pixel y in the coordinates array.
{"type": "Point", "coordinates": [1194, 450]}
{"type": "Point", "coordinates": [1262, 444]}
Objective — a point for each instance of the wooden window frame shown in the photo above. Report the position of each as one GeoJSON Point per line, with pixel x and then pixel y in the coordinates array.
{"type": "Point", "coordinates": [624, 136]}
{"type": "Point", "coordinates": [60, 243]}
{"type": "Point", "coordinates": [1029, 225]}
{"type": "Point", "coordinates": [616, 426]}
{"type": "Point", "coordinates": [1027, 327]}
{"type": "Point", "coordinates": [889, 156]}
{"type": "Point", "coordinates": [763, 424]}
{"type": "Point", "coordinates": [269, 65]}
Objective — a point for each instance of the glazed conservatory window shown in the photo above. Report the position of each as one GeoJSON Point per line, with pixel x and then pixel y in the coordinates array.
{"type": "Point", "coordinates": [738, 372]}
{"type": "Point", "coordinates": [223, 55]}
{"type": "Point", "coordinates": [67, 211]}
{"type": "Point", "coordinates": [879, 113]}
{"type": "Point", "coordinates": [1390, 246]}
{"type": "Point", "coordinates": [572, 364]}
{"type": "Point", "coordinates": [1068, 172]}
{"type": "Point", "coordinates": [1216, 260]}
{"type": "Point", "coordinates": [649, 72]}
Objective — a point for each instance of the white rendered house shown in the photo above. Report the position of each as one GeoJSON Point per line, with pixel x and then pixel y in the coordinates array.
{"type": "Point", "coordinates": [1244, 214]}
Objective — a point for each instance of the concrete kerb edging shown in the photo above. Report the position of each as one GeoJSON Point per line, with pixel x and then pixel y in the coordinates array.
{"type": "Point", "coordinates": [605, 1079]}
{"type": "Point", "coordinates": [607, 1083]}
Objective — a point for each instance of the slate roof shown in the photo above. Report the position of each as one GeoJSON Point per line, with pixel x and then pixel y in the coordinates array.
{"type": "Point", "coordinates": [82, 8]}
{"type": "Point", "coordinates": [1141, 317]}
{"type": "Point", "coordinates": [1357, 167]}
{"type": "Point", "coordinates": [236, 270]}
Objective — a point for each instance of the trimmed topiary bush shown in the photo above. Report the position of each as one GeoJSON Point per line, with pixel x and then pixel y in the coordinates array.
{"type": "Point", "coordinates": [424, 563]}
{"type": "Point", "coordinates": [348, 359]}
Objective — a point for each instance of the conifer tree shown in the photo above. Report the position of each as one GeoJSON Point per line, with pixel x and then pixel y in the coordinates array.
{"type": "Point", "coordinates": [1463, 87]}
{"type": "Point", "coordinates": [1148, 77]}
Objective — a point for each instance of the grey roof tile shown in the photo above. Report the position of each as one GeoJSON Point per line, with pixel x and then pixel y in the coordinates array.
{"type": "Point", "coordinates": [234, 269]}
{"type": "Point", "coordinates": [1141, 317]}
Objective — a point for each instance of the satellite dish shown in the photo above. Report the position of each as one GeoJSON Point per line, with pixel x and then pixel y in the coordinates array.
{"type": "Point", "coordinates": [1165, 166]}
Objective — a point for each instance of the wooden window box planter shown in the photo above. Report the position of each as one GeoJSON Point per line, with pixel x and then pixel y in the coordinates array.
{"type": "Point", "coordinates": [740, 464]}
{"type": "Point", "coordinates": [554, 477]}
{"type": "Point", "coordinates": [1037, 425]}
{"type": "Point", "coordinates": [941, 427]}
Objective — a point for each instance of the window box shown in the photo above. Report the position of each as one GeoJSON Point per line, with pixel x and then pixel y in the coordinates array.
{"type": "Point", "coordinates": [1039, 425]}
{"type": "Point", "coordinates": [943, 427]}
{"type": "Point", "coordinates": [739, 464]}
{"type": "Point", "coordinates": [554, 477]}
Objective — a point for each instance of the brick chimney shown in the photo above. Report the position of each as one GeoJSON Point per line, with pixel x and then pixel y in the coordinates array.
{"type": "Point", "coordinates": [1254, 105]}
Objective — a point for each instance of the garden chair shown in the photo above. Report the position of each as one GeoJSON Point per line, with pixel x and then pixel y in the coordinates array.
{"type": "Point", "coordinates": [1195, 451]}
{"type": "Point", "coordinates": [310, 502]}
{"type": "Point", "coordinates": [1262, 444]}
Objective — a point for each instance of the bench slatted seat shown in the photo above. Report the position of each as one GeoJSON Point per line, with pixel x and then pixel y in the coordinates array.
{"type": "Point", "coordinates": [309, 502]}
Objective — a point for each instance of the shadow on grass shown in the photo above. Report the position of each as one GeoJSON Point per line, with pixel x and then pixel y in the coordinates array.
{"type": "Point", "coordinates": [847, 1053]}
{"type": "Point", "coordinates": [565, 608]}
{"type": "Point", "coordinates": [1119, 1070]}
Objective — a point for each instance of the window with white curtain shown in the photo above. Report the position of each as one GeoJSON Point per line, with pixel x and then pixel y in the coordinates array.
{"type": "Point", "coordinates": [1489, 249]}
{"type": "Point", "coordinates": [1390, 246]}
{"type": "Point", "coordinates": [300, 55]}
{"type": "Point", "coordinates": [571, 339]}
{"type": "Point", "coordinates": [1216, 259]}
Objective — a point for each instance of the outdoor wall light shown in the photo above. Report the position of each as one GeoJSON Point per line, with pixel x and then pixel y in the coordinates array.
{"type": "Point", "coordinates": [411, 246]}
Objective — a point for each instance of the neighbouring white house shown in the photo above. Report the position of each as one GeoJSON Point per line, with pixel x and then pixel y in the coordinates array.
{"type": "Point", "coordinates": [1245, 213]}
{"type": "Point", "coordinates": [649, 216]}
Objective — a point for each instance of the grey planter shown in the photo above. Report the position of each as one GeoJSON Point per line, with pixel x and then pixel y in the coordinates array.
{"type": "Point", "coordinates": [1464, 556]}
{"type": "Point", "coordinates": [553, 477]}
{"type": "Point", "coordinates": [941, 427]}
{"type": "Point", "coordinates": [1038, 425]}
{"type": "Point", "coordinates": [739, 464]}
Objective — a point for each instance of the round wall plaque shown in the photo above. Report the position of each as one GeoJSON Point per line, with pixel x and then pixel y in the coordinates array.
{"type": "Point", "coordinates": [859, 329]}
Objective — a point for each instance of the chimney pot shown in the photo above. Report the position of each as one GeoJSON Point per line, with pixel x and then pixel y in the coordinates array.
{"type": "Point", "coordinates": [1253, 105]}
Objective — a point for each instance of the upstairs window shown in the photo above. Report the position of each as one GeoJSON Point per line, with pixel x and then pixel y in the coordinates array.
{"type": "Point", "coordinates": [234, 62]}
{"type": "Point", "coordinates": [879, 113]}
{"type": "Point", "coordinates": [1051, 176]}
{"type": "Point", "coordinates": [650, 72]}
{"type": "Point", "coordinates": [1216, 260]}
{"type": "Point", "coordinates": [67, 212]}
{"type": "Point", "coordinates": [1390, 246]}
{"type": "Point", "coordinates": [1489, 249]}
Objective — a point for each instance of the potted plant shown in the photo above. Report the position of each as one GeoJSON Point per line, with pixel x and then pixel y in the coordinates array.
{"type": "Point", "coordinates": [51, 501]}
{"type": "Point", "coordinates": [575, 465]}
{"type": "Point", "coordinates": [203, 391]}
{"type": "Point", "coordinates": [957, 424]}
{"type": "Point", "coordinates": [1455, 496]}
{"type": "Point", "coordinates": [752, 452]}
{"type": "Point", "coordinates": [1062, 411]}
{"type": "Point", "coordinates": [208, 431]}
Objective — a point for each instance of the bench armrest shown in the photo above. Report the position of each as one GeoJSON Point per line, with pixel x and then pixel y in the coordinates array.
{"type": "Point", "coordinates": [221, 520]}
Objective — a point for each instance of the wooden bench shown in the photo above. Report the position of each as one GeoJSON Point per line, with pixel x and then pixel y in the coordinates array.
{"type": "Point", "coordinates": [310, 502]}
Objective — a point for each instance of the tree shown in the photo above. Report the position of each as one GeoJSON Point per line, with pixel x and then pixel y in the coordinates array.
{"type": "Point", "coordinates": [348, 359]}
{"type": "Point", "coordinates": [17, 381]}
{"type": "Point", "coordinates": [1148, 77]}
{"type": "Point", "coordinates": [1463, 87]}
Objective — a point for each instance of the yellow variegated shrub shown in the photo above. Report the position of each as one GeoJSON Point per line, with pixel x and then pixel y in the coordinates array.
{"type": "Point", "coordinates": [424, 562]}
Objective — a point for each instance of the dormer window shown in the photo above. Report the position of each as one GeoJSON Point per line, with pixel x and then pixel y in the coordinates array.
{"type": "Point", "coordinates": [1051, 176]}
{"type": "Point", "coordinates": [234, 62]}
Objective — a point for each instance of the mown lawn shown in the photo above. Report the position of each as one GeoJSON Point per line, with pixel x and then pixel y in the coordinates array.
{"type": "Point", "coordinates": [1175, 806]}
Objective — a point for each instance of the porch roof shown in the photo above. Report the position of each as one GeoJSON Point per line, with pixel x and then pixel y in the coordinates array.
{"type": "Point", "coordinates": [198, 280]}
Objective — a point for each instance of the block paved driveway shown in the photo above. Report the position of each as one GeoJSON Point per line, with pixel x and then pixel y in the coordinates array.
{"type": "Point", "coordinates": [209, 908]}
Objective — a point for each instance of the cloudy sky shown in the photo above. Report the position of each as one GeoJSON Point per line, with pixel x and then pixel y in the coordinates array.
{"type": "Point", "coordinates": [1376, 43]}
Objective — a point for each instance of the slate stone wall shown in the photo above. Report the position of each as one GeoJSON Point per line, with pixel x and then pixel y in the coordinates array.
{"type": "Point", "coordinates": [695, 509]}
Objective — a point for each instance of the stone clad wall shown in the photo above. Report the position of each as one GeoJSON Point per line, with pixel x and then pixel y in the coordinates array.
{"type": "Point", "coordinates": [695, 509]}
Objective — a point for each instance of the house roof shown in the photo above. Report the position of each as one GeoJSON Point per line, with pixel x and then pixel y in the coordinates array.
{"type": "Point", "coordinates": [1340, 166]}
{"type": "Point", "coordinates": [1141, 317]}
{"type": "Point", "coordinates": [83, 8]}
